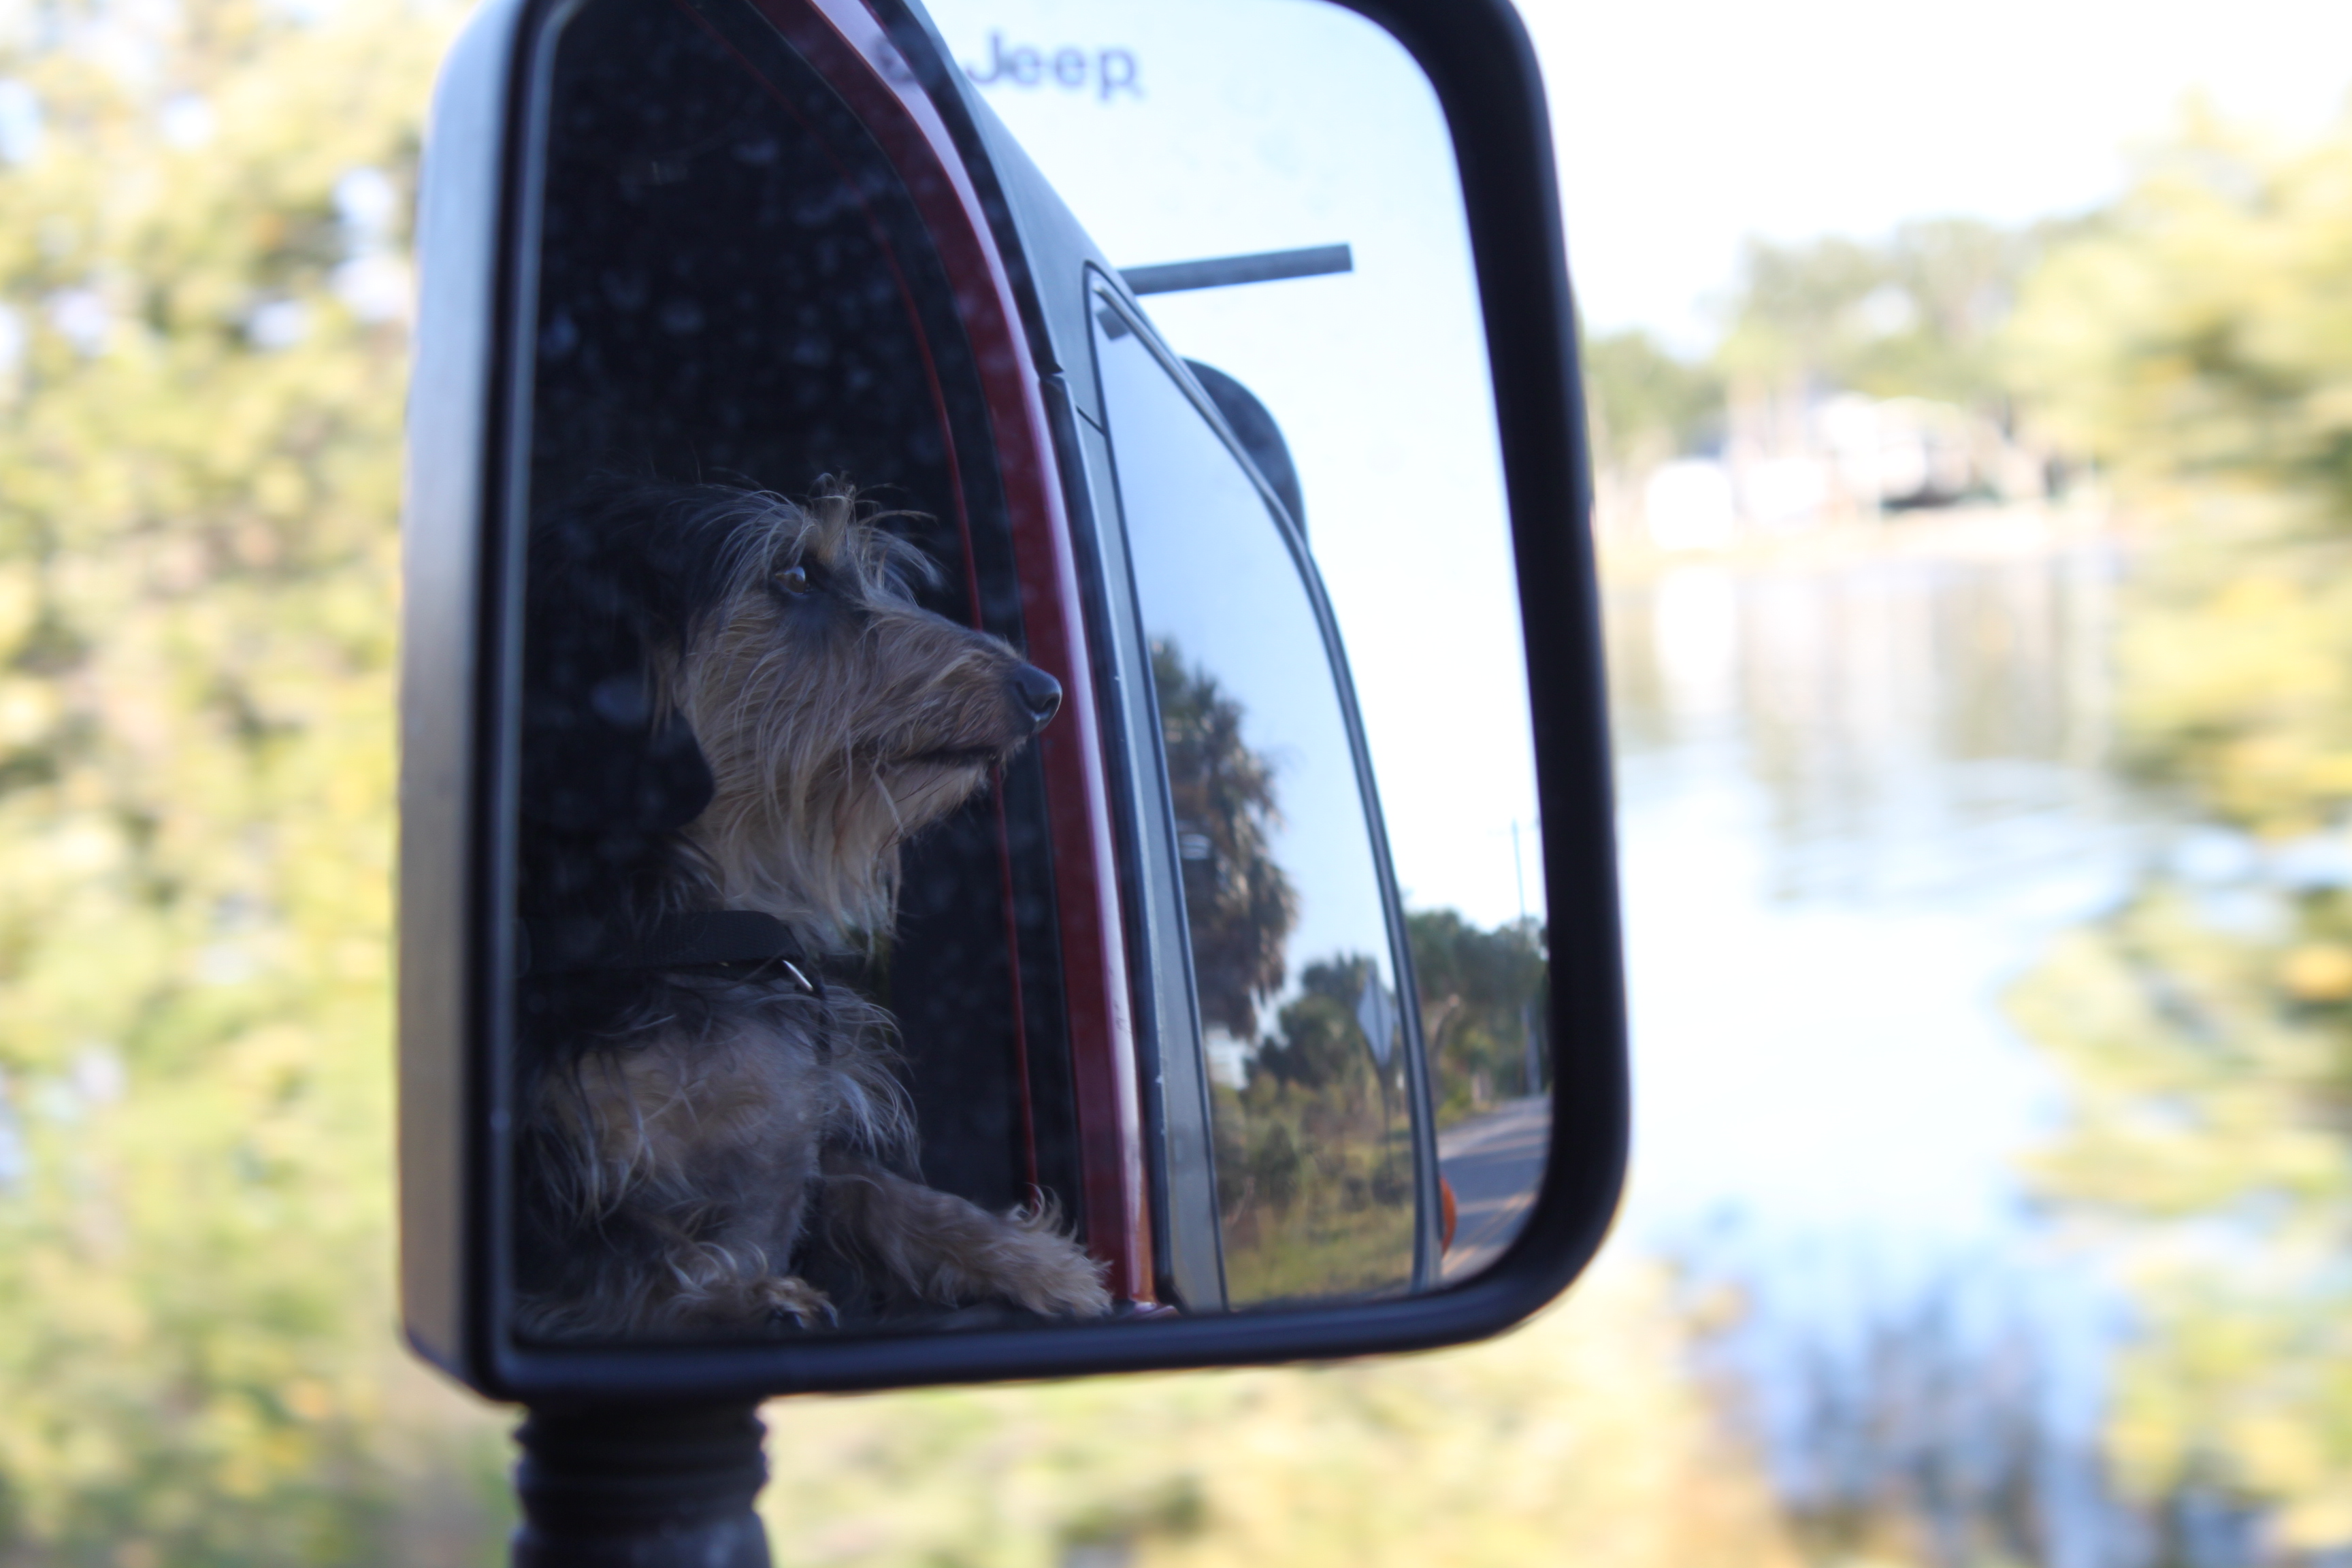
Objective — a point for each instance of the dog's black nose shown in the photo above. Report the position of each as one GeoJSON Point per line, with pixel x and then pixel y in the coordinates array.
{"type": "Point", "coordinates": [1038, 692]}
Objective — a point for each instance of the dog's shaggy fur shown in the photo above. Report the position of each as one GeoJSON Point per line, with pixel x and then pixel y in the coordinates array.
{"type": "Point", "coordinates": [734, 702]}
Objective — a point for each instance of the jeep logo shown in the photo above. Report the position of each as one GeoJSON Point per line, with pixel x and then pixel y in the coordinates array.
{"type": "Point", "coordinates": [1109, 70]}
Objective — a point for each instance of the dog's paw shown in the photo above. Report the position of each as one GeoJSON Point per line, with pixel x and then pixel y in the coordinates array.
{"type": "Point", "coordinates": [1045, 1271]}
{"type": "Point", "coordinates": [788, 1297]}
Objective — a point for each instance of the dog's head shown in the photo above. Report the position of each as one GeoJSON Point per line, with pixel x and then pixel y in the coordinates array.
{"type": "Point", "coordinates": [757, 676]}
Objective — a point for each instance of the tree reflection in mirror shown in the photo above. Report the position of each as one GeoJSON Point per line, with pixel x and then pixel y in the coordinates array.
{"type": "Point", "coordinates": [1285, 903]}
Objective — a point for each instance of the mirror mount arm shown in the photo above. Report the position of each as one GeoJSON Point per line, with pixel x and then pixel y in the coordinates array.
{"type": "Point", "coordinates": [627, 1485]}
{"type": "Point", "coordinates": [1223, 271]}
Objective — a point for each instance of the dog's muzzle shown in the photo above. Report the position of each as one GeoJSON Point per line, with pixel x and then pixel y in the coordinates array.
{"type": "Point", "coordinates": [1039, 695]}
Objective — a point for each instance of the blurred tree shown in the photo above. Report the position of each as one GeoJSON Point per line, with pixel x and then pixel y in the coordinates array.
{"type": "Point", "coordinates": [2199, 347]}
{"type": "Point", "coordinates": [1798, 310]}
{"type": "Point", "coordinates": [1917, 315]}
{"type": "Point", "coordinates": [2205, 1144]}
{"type": "Point", "coordinates": [2198, 339]}
{"type": "Point", "coordinates": [2198, 343]}
{"type": "Point", "coordinates": [1318, 1040]}
{"type": "Point", "coordinates": [203, 294]}
{"type": "Point", "coordinates": [1645, 404]}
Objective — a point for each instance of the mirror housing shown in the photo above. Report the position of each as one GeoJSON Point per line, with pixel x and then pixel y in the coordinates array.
{"type": "Point", "coordinates": [987, 207]}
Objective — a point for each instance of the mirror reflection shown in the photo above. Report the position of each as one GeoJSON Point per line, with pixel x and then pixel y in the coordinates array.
{"type": "Point", "coordinates": [953, 889]}
{"type": "Point", "coordinates": [1311, 1104]}
{"type": "Point", "coordinates": [1244, 127]}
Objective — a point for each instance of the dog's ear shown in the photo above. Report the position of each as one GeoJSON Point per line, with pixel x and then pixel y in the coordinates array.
{"type": "Point", "coordinates": [595, 757]}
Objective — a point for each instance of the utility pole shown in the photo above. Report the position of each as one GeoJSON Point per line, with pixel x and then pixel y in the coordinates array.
{"type": "Point", "coordinates": [1527, 1004]}
{"type": "Point", "coordinates": [1518, 873]}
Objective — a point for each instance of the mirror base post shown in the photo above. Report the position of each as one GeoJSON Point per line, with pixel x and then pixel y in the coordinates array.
{"type": "Point", "coordinates": [620, 1485]}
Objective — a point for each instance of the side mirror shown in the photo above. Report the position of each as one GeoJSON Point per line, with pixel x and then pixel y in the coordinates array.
{"type": "Point", "coordinates": [896, 885]}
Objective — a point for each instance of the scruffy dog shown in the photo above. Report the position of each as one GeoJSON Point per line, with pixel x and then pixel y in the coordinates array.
{"type": "Point", "coordinates": [734, 715]}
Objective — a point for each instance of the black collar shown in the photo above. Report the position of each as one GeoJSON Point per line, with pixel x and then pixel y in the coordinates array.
{"type": "Point", "coordinates": [733, 945]}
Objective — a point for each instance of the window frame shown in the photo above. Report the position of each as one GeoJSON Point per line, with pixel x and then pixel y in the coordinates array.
{"type": "Point", "coordinates": [1158, 837]}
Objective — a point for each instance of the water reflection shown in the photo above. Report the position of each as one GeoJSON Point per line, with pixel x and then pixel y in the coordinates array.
{"type": "Point", "coordinates": [1858, 792]}
{"type": "Point", "coordinates": [1915, 725]}
{"type": "Point", "coordinates": [1861, 796]}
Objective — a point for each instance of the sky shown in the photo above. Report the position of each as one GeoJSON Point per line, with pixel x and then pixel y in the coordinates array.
{"type": "Point", "coordinates": [1684, 126]}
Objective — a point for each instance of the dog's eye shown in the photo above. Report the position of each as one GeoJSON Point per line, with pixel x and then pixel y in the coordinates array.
{"type": "Point", "coordinates": [793, 580]}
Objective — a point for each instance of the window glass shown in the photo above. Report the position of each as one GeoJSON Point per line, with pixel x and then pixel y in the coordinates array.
{"type": "Point", "coordinates": [1292, 963]}
{"type": "Point", "coordinates": [1172, 146]}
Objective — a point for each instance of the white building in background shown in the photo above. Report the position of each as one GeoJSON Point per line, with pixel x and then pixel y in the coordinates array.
{"type": "Point", "coordinates": [1906, 451]}
{"type": "Point", "coordinates": [1846, 458]}
{"type": "Point", "coordinates": [1689, 504]}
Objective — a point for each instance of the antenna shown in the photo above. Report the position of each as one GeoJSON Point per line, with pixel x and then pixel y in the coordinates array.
{"type": "Point", "coordinates": [1518, 872]}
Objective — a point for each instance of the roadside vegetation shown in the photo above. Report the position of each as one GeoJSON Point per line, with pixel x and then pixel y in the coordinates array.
{"type": "Point", "coordinates": [2199, 347]}
{"type": "Point", "coordinates": [202, 282]}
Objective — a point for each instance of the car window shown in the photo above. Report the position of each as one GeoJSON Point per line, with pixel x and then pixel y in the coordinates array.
{"type": "Point", "coordinates": [1292, 958]}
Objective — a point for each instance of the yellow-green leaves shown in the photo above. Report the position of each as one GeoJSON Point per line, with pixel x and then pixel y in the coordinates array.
{"type": "Point", "coordinates": [199, 445]}
{"type": "Point", "coordinates": [2197, 343]}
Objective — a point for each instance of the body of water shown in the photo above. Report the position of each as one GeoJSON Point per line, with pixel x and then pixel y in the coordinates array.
{"type": "Point", "coordinates": [1860, 790]}
{"type": "Point", "coordinates": [1863, 786]}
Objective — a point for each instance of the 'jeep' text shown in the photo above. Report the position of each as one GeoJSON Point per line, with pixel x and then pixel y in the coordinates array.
{"type": "Point", "coordinates": [1109, 70]}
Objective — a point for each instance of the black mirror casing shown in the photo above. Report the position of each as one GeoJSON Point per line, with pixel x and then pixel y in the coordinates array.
{"type": "Point", "coordinates": [469, 413]}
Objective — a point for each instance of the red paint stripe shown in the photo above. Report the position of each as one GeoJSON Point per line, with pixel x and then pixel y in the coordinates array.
{"type": "Point", "coordinates": [849, 47]}
{"type": "Point", "coordinates": [1020, 1003]}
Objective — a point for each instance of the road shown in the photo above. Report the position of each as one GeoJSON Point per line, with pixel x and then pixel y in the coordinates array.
{"type": "Point", "coordinates": [1494, 1162]}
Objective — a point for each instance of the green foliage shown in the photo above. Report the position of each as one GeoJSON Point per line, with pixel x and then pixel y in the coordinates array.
{"type": "Point", "coordinates": [1921, 313]}
{"type": "Point", "coordinates": [2208, 1070]}
{"type": "Point", "coordinates": [1307, 1154]}
{"type": "Point", "coordinates": [198, 481]}
{"type": "Point", "coordinates": [1315, 1156]}
{"type": "Point", "coordinates": [2197, 342]}
{"type": "Point", "coordinates": [1482, 995]}
{"type": "Point", "coordinates": [1645, 404]}
{"type": "Point", "coordinates": [1915, 316]}
{"type": "Point", "coordinates": [1318, 1040]}
{"type": "Point", "coordinates": [1581, 1436]}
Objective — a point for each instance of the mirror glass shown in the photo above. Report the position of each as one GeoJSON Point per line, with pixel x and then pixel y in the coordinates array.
{"type": "Point", "coordinates": [963, 883]}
